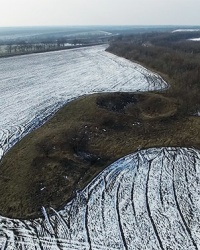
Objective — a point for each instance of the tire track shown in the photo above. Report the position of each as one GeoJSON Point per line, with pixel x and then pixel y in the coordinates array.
{"type": "Point", "coordinates": [119, 219]}
{"type": "Point", "coordinates": [86, 225]}
{"type": "Point", "coordinates": [149, 210]}
{"type": "Point", "coordinates": [180, 212]}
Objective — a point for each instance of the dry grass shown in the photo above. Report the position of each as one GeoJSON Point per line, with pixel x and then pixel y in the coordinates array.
{"type": "Point", "coordinates": [64, 155]}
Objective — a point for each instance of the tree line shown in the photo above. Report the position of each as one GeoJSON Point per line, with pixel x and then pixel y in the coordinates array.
{"type": "Point", "coordinates": [171, 54]}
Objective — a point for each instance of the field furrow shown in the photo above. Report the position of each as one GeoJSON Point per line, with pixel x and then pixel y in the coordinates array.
{"type": "Point", "coordinates": [34, 87]}
{"type": "Point", "coordinates": [112, 213]}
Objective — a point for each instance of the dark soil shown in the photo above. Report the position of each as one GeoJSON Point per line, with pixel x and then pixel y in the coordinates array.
{"type": "Point", "coordinates": [48, 166]}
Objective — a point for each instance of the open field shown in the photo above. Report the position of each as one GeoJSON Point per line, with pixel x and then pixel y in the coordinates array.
{"type": "Point", "coordinates": [33, 87]}
{"type": "Point", "coordinates": [84, 137]}
{"type": "Point", "coordinates": [36, 88]}
{"type": "Point", "coordinates": [146, 200]}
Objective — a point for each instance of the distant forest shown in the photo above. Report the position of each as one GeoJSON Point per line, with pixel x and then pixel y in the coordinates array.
{"type": "Point", "coordinates": [171, 54]}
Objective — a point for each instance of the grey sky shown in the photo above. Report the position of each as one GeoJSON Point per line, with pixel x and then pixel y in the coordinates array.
{"type": "Point", "coordinates": [99, 12]}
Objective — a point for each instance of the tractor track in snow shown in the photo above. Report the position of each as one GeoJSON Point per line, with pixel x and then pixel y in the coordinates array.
{"type": "Point", "coordinates": [102, 216]}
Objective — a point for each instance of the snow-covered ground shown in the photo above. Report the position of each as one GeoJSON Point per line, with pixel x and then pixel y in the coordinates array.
{"type": "Point", "coordinates": [147, 200]}
{"type": "Point", "coordinates": [194, 39]}
{"type": "Point", "coordinates": [33, 87]}
{"type": "Point", "coordinates": [185, 30]}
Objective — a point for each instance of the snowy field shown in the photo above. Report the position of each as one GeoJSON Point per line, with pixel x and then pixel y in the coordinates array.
{"type": "Point", "coordinates": [195, 39]}
{"type": "Point", "coordinates": [185, 30]}
{"type": "Point", "coordinates": [147, 200]}
{"type": "Point", "coordinates": [33, 87]}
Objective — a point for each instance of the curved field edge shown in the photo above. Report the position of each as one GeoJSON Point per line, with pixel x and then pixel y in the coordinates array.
{"type": "Point", "coordinates": [84, 137]}
{"type": "Point", "coordinates": [146, 200]}
{"type": "Point", "coordinates": [173, 57]}
{"type": "Point", "coordinates": [69, 75]}
{"type": "Point", "coordinates": [53, 79]}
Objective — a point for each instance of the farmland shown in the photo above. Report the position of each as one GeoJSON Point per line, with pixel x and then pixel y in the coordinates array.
{"type": "Point", "coordinates": [34, 87]}
{"type": "Point", "coordinates": [145, 200]}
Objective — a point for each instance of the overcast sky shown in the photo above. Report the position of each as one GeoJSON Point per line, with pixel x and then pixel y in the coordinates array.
{"type": "Point", "coordinates": [99, 12]}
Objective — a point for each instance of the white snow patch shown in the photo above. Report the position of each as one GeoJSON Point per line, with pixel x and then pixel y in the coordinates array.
{"type": "Point", "coordinates": [194, 39]}
{"type": "Point", "coordinates": [147, 200]}
{"type": "Point", "coordinates": [185, 30]}
{"type": "Point", "coordinates": [33, 87]}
